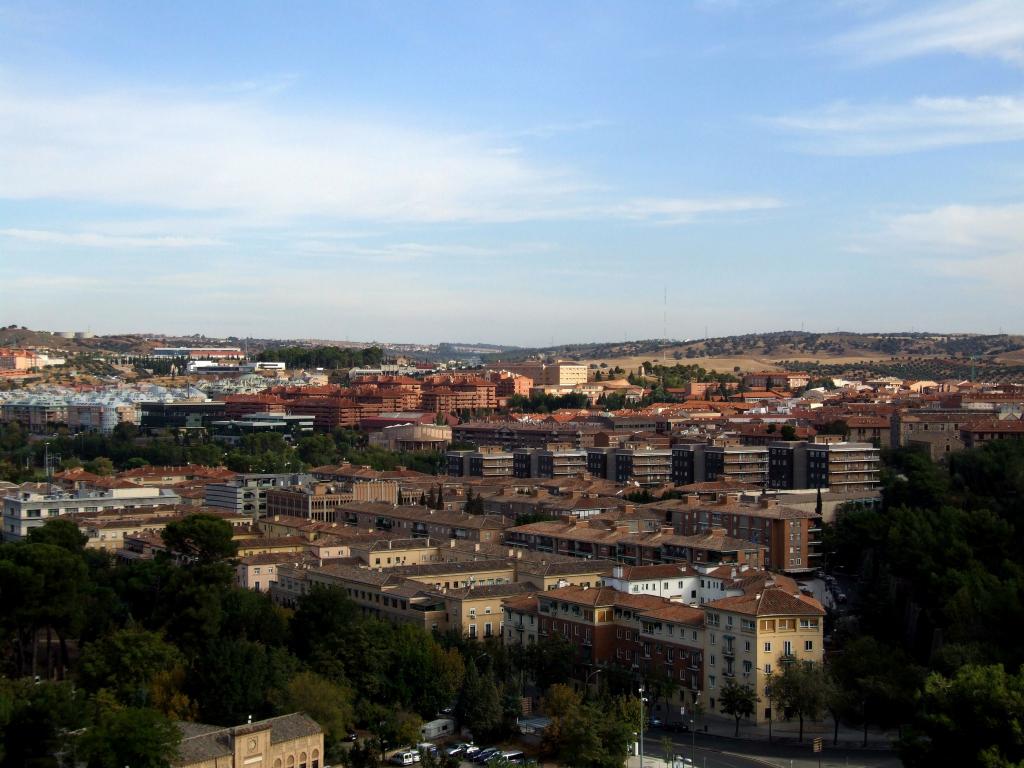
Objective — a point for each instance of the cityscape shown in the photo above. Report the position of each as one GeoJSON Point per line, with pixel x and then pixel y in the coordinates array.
{"type": "Point", "coordinates": [583, 385]}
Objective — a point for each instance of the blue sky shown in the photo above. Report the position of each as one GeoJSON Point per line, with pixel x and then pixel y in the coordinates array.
{"type": "Point", "coordinates": [514, 172]}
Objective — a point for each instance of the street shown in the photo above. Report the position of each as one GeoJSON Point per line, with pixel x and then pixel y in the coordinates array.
{"type": "Point", "coordinates": [718, 752]}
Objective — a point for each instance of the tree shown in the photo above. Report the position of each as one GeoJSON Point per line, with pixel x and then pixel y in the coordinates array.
{"type": "Point", "coordinates": [738, 701]}
{"type": "Point", "coordinates": [60, 532]}
{"type": "Point", "coordinates": [788, 432]}
{"type": "Point", "coordinates": [100, 466]}
{"type": "Point", "coordinates": [318, 450]}
{"type": "Point", "coordinates": [200, 539]}
{"type": "Point", "coordinates": [479, 703]}
{"type": "Point", "coordinates": [141, 738]}
{"type": "Point", "coordinates": [326, 702]}
{"type": "Point", "coordinates": [973, 718]}
{"type": "Point", "coordinates": [800, 690]}
{"type": "Point", "coordinates": [126, 663]}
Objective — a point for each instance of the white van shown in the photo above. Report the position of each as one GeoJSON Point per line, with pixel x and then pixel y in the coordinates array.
{"type": "Point", "coordinates": [405, 758]}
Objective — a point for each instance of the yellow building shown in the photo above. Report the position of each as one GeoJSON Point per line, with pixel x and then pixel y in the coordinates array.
{"type": "Point", "coordinates": [750, 637]}
{"type": "Point", "coordinates": [289, 741]}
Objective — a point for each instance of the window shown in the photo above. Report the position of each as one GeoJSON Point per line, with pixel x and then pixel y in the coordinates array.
{"type": "Point", "coordinates": [787, 648]}
{"type": "Point", "coordinates": [487, 629]}
{"type": "Point", "coordinates": [472, 630]}
{"type": "Point", "coordinates": [767, 669]}
{"type": "Point", "coordinates": [711, 661]}
{"type": "Point", "coordinates": [767, 647]}
{"type": "Point", "coordinates": [711, 681]}
{"type": "Point", "coordinates": [808, 645]}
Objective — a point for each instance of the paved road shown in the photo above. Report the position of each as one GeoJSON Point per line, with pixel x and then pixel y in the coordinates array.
{"type": "Point", "coordinates": [730, 753]}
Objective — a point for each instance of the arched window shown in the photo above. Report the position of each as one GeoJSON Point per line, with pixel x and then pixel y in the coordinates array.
{"type": "Point", "coordinates": [302, 760]}
{"type": "Point", "coordinates": [277, 763]}
{"type": "Point", "coordinates": [291, 761]}
{"type": "Point", "coordinates": [316, 759]}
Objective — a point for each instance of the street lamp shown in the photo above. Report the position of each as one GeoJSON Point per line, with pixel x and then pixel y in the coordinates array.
{"type": "Point", "coordinates": [586, 681]}
{"type": "Point", "coordinates": [642, 700]}
{"type": "Point", "coordinates": [693, 729]}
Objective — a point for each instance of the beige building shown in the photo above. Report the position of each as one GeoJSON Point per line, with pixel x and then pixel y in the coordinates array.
{"type": "Point", "coordinates": [289, 741]}
{"type": "Point", "coordinates": [749, 638]}
{"type": "Point", "coordinates": [555, 374]}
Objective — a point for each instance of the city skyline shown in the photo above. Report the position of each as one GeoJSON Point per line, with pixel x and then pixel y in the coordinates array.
{"type": "Point", "coordinates": [512, 173]}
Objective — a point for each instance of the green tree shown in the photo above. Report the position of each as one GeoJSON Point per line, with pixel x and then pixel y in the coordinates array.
{"type": "Point", "coordinates": [200, 539]}
{"type": "Point", "coordinates": [141, 738]}
{"type": "Point", "coordinates": [126, 662]}
{"type": "Point", "coordinates": [738, 701]}
{"type": "Point", "coordinates": [973, 718]}
{"type": "Point", "coordinates": [318, 450]}
{"type": "Point", "coordinates": [326, 702]}
{"type": "Point", "coordinates": [800, 689]}
{"type": "Point", "coordinates": [59, 532]}
{"type": "Point", "coordinates": [100, 466]}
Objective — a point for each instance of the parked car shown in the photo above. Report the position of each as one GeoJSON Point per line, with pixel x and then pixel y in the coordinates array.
{"type": "Point", "coordinates": [408, 757]}
{"type": "Point", "coordinates": [471, 749]}
{"type": "Point", "coordinates": [484, 755]}
{"type": "Point", "coordinates": [352, 736]}
{"type": "Point", "coordinates": [459, 749]}
{"type": "Point", "coordinates": [426, 748]}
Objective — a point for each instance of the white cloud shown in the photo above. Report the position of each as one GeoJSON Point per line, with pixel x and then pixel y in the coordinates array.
{"type": "Point", "coordinates": [980, 28]}
{"type": "Point", "coordinates": [965, 241]}
{"type": "Point", "coordinates": [241, 159]}
{"type": "Point", "coordinates": [924, 123]}
{"type": "Point", "coordinates": [97, 240]}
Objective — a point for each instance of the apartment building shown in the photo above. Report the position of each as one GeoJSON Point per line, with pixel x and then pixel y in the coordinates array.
{"type": "Point", "coordinates": [639, 634]}
{"type": "Point", "coordinates": [611, 540]}
{"type": "Point", "coordinates": [512, 435]}
{"type": "Point", "coordinates": [792, 381]}
{"type": "Point", "coordinates": [425, 523]}
{"type": "Point", "coordinates": [489, 461]}
{"type": "Point", "coordinates": [321, 501]}
{"type": "Point", "coordinates": [31, 505]}
{"type": "Point", "coordinates": [979, 432]}
{"type": "Point", "coordinates": [247, 493]}
{"type": "Point", "coordinates": [551, 374]}
{"type": "Point", "coordinates": [412, 437]}
{"type": "Point", "coordinates": [555, 460]}
{"type": "Point", "coordinates": [635, 463]}
{"type": "Point", "coordinates": [751, 637]}
{"type": "Point", "coordinates": [704, 462]}
{"type": "Point", "coordinates": [840, 466]}
{"type": "Point", "coordinates": [789, 536]}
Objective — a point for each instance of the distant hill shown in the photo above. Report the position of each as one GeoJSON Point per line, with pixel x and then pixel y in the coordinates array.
{"type": "Point", "coordinates": [790, 349]}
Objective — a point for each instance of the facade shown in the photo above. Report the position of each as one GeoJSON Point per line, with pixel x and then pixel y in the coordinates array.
{"type": "Point", "coordinates": [634, 463]}
{"type": "Point", "coordinates": [247, 494]}
{"type": "Point", "coordinates": [703, 463]}
{"type": "Point", "coordinates": [556, 460]}
{"type": "Point", "coordinates": [751, 637]}
{"type": "Point", "coordinates": [289, 741]}
{"type": "Point", "coordinates": [181, 415]}
{"type": "Point", "coordinates": [553, 374]}
{"type": "Point", "coordinates": [790, 536]}
{"type": "Point", "coordinates": [421, 522]}
{"type": "Point", "coordinates": [291, 426]}
{"type": "Point", "coordinates": [25, 509]}
{"type": "Point", "coordinates": [512, 435]}
{"type": "Point", "coordinates": [839, 466]}
{"type": "Point", "coordinates": [412, 437]}
{"type": "Point", "coordinates": [776, 379]}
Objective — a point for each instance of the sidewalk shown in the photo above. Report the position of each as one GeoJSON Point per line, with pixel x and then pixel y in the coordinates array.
{"type": "Point", "coordinates": [787, 732]}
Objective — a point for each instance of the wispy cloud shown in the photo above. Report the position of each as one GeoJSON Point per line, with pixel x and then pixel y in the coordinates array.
{"type": "Point", "coordinates": [964, 241]}
{"type": "Point", "coordinates": [241, 158]}
{"type": "Point", "coordinates": [98, 240]}
{"type": "Point", "coordinates": [924, 123]}
{"type": "Point", "coordinates": [980, 28]}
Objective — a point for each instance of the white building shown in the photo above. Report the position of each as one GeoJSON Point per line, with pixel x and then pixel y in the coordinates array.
{"type": "Point", "coordinates": [33, 504]}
